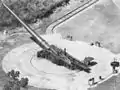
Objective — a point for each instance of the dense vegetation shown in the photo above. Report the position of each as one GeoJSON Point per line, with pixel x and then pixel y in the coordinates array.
{"type": "Point", "coordinates": [29, 10]}
{"type": "Point", "coordinates": [13, 83]}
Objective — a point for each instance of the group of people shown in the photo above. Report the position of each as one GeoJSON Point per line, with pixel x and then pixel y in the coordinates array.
{"type": "Point", "coordinates": [97, 43]}
{"type": "Point", "coordinates": [69, 37]}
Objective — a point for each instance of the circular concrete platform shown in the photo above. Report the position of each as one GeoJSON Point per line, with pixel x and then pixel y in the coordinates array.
{"type": "Point", "coordinates": [44, 74]}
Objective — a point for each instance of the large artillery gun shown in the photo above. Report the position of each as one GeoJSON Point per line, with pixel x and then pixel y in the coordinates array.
{"type": "Point", "coordinates": [53, 53]}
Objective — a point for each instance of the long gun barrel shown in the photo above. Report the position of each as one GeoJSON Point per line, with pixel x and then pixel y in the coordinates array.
{"type": "Point", "coordinates": [35, 36]}
{"type": "Point", "coordinates": [54, 51]}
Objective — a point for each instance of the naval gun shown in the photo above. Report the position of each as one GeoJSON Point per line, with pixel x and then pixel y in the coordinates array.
{"type": "Point", "coordinates": [53, 53]}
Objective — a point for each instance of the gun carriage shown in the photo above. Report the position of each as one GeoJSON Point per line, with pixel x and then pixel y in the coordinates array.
{"type": "Point", "coordinates": [53, 53]}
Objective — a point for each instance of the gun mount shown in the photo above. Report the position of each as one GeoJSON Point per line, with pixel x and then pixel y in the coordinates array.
{"type": "Point", "coordinates": [53, 53]}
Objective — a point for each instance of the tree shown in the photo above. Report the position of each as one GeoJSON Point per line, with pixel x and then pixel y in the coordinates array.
{"type": "Point", "coordinates": [8, 86]}
{"type": "Point", "coordinates": [66, 2]}
{"type": "Point", "coordinates": [17, 73]}
{"type": "Point", "coordinates": [16, 87]}
{"type": "Point", "coordinates": [13, 82]}
{"type": "Point", "coordinates": [29, 11]}
{"type": "Point", "coordinates": [13, 74]}
{"type": "Point", "coordinates": [24, 82]}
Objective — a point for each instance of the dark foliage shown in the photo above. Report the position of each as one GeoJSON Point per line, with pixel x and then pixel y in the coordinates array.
{"type": "Point", "coordinates": [28, 10]}
{"type": "Point", "coordinates": [16, 87]}
{"type": "Point", "coordinates": [24, 82]}
{"type": "Point", "coordinates": [6, 87]}
{"type": "Point", "coordinates": [14, 83]}
{"type": "Point", "coordinates": [13, 74]}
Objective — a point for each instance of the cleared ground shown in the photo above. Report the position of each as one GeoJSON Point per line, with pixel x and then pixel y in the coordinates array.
{"type": "Point", "coordinates": [44, 74]}
{"type": "Point", "coordinates": [6, 44]}
{"type": "Point", "coordinates": [99, 23]}
{"type": "Point", "coordinates": [100, 9]}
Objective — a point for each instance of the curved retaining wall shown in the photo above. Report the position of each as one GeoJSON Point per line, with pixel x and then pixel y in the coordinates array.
{"type": "Point", "coordinates": [69, 15]}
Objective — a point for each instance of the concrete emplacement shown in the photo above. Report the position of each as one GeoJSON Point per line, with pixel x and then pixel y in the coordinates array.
{"type": "Point", "coordinates": [44, 74]}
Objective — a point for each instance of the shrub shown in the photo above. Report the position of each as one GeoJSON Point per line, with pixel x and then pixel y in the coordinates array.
{"type": "Point", "coordinates": [13, 83]}
{"type": "Point", "coordinates": [28, 10]}
{"type": "Point", "coordinates": [13, 74]}
{"type": "Point", "coordinates": [24, 82]}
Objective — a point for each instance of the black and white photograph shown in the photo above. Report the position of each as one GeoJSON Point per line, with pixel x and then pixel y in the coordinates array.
{"type": "Point", "coordinates": [59, 44]}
